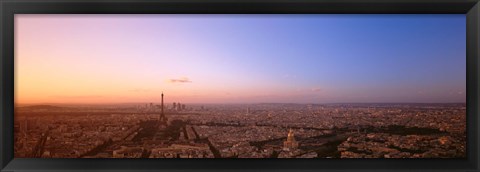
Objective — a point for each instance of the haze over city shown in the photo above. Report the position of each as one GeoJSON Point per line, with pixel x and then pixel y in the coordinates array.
{"type": "Point", "coordinates": [239, 58]}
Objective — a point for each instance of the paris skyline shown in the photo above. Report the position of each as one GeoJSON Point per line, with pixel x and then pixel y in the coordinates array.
{"type": "Point", "coordinates": [240, 58]}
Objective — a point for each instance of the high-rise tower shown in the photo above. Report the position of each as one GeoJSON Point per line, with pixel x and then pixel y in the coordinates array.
{"type": "Point", "coordinates": [163, 115]}
{"type": "Point", "coordinates": [163, 119]}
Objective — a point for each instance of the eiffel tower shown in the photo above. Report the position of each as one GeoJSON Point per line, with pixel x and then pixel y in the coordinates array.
{"type": "Point", "coordinates": [162, 120]}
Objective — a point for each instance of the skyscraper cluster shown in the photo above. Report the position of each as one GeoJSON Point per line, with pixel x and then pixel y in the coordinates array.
{"type": "Point", "coordinates": [178, 106]}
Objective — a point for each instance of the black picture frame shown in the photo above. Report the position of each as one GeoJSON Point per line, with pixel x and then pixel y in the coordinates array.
{"type": "Point", "coordinates": [8, 8]}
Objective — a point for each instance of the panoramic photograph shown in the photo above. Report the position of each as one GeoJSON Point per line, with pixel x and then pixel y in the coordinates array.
{"type": "Point", "coordinates": [240, 86]}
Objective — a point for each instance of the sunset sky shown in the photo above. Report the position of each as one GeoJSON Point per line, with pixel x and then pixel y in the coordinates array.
{"type": "Point", "coordinates": [239, 58]}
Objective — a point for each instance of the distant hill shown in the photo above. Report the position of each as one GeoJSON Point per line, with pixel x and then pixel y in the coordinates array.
{"type": "Point", "coordinates": [41, 107]}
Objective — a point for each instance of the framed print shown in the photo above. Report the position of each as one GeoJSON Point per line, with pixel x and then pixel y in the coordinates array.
{"type": "Point", "coordinates": [253, 85]}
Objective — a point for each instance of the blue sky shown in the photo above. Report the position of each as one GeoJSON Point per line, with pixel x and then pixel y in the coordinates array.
{"type": "Point", "coordinates": [247, 58]}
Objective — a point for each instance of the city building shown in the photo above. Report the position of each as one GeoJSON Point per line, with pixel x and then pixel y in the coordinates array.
{"type": "Point", "coordinates": [291, 143]}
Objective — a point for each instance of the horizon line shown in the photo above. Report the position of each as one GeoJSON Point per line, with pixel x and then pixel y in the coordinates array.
{"type": "Point", "coordinates": [239, 103]}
